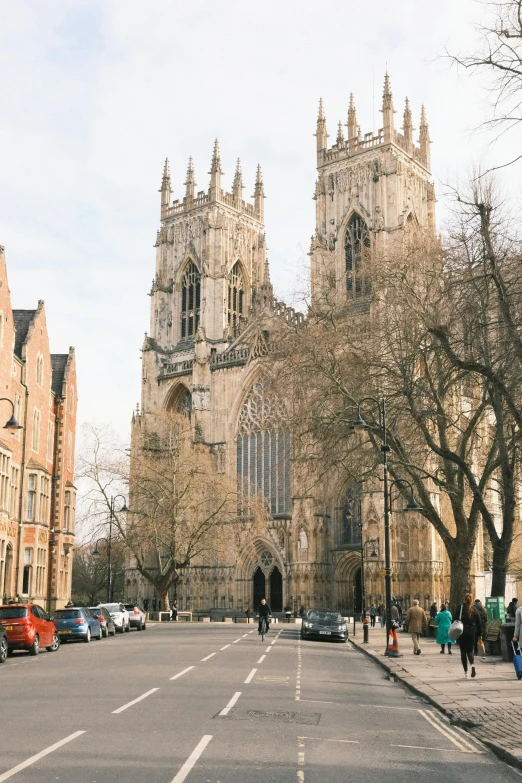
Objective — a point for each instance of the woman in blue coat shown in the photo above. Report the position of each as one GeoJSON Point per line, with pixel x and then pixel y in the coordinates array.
{"type": "Point", "coordinates": [443, 620]}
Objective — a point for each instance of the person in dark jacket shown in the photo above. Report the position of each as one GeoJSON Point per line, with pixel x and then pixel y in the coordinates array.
{"type": "Point", "coordinates": [264, 611]}
{"type": "Point", "coordinates": [470, 618]}
{"type": "Point", "coordinates": [481, 609]}
{"type": "Point", "coordinates": [511, 609]}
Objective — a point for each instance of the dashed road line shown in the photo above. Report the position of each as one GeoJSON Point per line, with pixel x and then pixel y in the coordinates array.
{"type": "Point", "coordinates": [250, 676]}
{"type": "Point", "coordinates": [134, 701]}
{"type": "Point", "coordinates": [322, 739]}
{"type": "Point", "coordinates": [300, 759]}
{"type": "Point", "coordinates": [229, 706]}
{"type": "Point", "coordinates": [236, 641]}
{"type": "Point", "coordinates": [298, 676]}
{"type": "Point", "coordinates": [180, 674]}
{"type": "Point", "coordinates": [194, 756]}
{"type": "Point", "coordinates": [262, 659]}
{"type": "Point", "coordinates": [225, 647]}
{"type": "Point", "coordinates": [268, 649]}
{"type": "Point", "coordinates": [40, 755]}
{"type": "Point", "coordinates": [208, 657]}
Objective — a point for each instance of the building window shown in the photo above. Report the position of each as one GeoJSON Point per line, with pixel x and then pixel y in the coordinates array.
{"type": "Point", "coordinates": [190, 301]}
{"type": "Point", "coordinates": [31, 497]}
{"type": "Point", "coordinates": [236, 297]}
{"type": "Point", "coordinates": [39, 369]}
{"type": "Point", "coordinates": [35, 440]}
{"type": "Point", "coordinates": [351, 530]}
{"type": "Point", "coordinates": [50, 441]}
{"type": "Point", "coordinates": [5, 480]}
{"type": "Point", "coordinates": [43, 508]}
{"type": "Point", "coordinates": [356, 249]}
{"type": "Point", "coordinates": [40, 572]}
{"type": "Point", "coordinates": [263, 450]}
{"type": "Point", "coordinates": [28, 560]}
{"type": "Point", "coordinates": [15, 484]}
{"type": "Point", "coordinates": [69, 511]}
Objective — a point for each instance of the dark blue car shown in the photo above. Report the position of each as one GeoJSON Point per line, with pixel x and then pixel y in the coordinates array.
{"type": "Point", "coordinates": [77, 622]}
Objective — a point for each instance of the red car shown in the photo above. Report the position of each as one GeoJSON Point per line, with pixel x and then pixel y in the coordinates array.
{"type": "Point", "coordinates": [28, 627]}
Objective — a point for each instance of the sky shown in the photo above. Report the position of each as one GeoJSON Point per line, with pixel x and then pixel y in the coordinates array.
{"type": "Point", "coordinates": [97, 93]}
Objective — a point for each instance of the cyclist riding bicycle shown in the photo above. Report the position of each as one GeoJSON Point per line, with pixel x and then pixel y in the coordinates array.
{"type": "Point", "coordinates": [264, 611]}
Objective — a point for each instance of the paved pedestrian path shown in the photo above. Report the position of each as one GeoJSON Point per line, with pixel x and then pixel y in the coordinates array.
{"type": "Point", "coordinates": [489, 706]}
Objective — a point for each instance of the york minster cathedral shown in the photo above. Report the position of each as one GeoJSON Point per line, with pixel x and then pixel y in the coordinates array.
{"type": "Point", "coordinates": [211, 300]}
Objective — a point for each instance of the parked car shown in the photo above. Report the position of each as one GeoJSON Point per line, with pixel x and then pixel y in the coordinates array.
{"type": "Point", "coordinates": [77, 622]}
{"type": "Point", "coordinates": [28, 627]}
{"type": "Point", "coordinates": [137, 618]}
{"type": "Point", "coordinates": [105, 620]}
{"type": "Point", "coordinates": [324, 624]}
{"type": "Point", "coordinates": [4, 649]}
{"type": "Point", "coordinates": [120, 616]}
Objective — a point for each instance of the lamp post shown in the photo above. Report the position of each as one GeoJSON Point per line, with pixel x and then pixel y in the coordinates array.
{"type": "Point", "coordinates": [12, 423]}
{"type": "Point", "coordinates": [359, 425]}
{"type": "Point", "coordinates": [108, 541]}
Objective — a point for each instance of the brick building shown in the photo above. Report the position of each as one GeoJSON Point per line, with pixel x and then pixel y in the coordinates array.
{"type": "Point", "coordinates": [37, 492]}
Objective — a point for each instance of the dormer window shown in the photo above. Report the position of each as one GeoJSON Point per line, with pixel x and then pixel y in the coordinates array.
{"type": "Point", "coordinates": [190, 301]}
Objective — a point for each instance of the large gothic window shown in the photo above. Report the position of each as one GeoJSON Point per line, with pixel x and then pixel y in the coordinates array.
{"type": "Point", "coordinates": [236, 296]}
{"type": "Point", "coordinates": [351, 522]}
{"type": "Point", "coordinates": [356, 250]}
{"type": "Point", "coordinates": [263, 450]}
{"type": "Point", "coordinates": [190, 301]}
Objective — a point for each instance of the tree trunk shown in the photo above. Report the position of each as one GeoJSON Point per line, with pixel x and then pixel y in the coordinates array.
{"type": "Point", "coordinates": [163, 596]}
{"type": "Point", "coordinates": [500, 567]}
{"type": "Point", "coordinates": [460, 563]}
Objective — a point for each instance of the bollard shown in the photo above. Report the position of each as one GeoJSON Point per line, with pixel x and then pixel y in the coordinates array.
{"type": "Point", "coordinates": [365, 630]}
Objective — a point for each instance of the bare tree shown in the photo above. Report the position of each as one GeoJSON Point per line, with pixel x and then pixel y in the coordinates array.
{"type": "Point", "coordinates": [181, 510]}
{"type": "Point", "coordinates": [91, 573]}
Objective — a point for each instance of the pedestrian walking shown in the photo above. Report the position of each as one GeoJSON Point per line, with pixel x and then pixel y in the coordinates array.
{"type": "Point", "coordinates": [382, 614]}
{"type": "Point", "coordinates": [472, 628]}
{"type": "Point", "coordinates": [302, 611]}
{"type": "Point", "coordinates": [247, 612]}
{"type": "Point", "coordinates": [512, 609]}
{"type": "Point", "coordinates": [433, 614]}
{"type": "Point", "coordinates": [443, 621]}
{"type": "Point", "coordinates": [174, 611]}
{"type": "Point", "coordinates": [518, 624]}
{"type": "Point", "coordinates": [146, 605]}
{"type": "Point", "coordinates": [484, 620]}
{"type": "Point", "coordinates": [154, 604]}
{"type": "Point", "coordinates": [417, 624]}
{"type": "Point", "coordinates": [373, 614]}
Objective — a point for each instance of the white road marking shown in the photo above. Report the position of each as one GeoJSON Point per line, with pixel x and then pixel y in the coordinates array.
{"type": "Point", "coordinates": [262, 659]}
{"type": "Point", "coordinates": [298, 675]}
{"type": "Point", "coordinates": [229, 706]}
{"type": "Point", "coordinates": [180, 674]}
{"type": "Point", "coordinates": [268, 649]}
{"type": "Point", "coordinates": [447, 732]}
{"type": "Point", "coordinates": [225, 647]}
{"type": "Point", "coordinates": [317, 701]}
{"type": "Point", "coordinates": [245, 634]}
{"type": "Point", "coordinates": [446, 750]}
{"type": "Point", "coordinates": [134, 701]}
{"type": "Point", "coordinates": [275, 640]}
{"type": "Point", "coordinates": [386, 707]}
{"type": "Point", "coordinates": [322, 739]}
{"type": "Point", "coordinates": [208, 656]}
{"type": "Point", "coordinates": [236, 641]}
{"type": "Point", "coordinates": [38, 756]}
{"type": "Point", "coordinates": [194, 756]}
{"type": "Point", "coordinates": [250, 676]}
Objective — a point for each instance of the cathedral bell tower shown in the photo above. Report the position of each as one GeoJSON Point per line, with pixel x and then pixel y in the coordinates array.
{"type": "Point", "coordinates": [368, 187]}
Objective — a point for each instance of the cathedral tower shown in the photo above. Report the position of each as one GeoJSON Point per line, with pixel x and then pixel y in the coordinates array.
{"type": "Point", "coordinates": [368, 187]}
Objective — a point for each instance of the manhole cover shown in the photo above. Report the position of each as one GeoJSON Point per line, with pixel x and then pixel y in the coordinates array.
{"type": "Point", "coordinates": [306, 718]}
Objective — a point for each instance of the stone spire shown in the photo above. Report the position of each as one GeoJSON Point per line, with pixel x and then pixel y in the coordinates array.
{"type": "Point", "coordinates": [340, 136]}
{"type": "Point", "coordinates": [259, 195]}
{"type": "Point", "coordinates": [165, 188]}
{"type": "Point", "coordinates": [320, 133]}
{"type": "Point", "coordinates": [190, 182]}
{"type": "Point", "coordinates": [424, 138]}
{"type": "Point", "coordinates": [237, 186]}
{"type": "Point", "coordinates": [352, 124]}
{"type": "Point", "coordinates": [215, 173]}
{"type": "Point", "coordinates": [387, 109]}
{"type": "Point", "coordinates": [407, 126]}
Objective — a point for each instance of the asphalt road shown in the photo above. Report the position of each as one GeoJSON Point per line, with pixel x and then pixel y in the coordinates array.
{"type": "Point", "coordinates": [214, 704]}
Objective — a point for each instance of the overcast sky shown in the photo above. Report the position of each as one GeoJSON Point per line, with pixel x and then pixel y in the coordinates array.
{"type": "Point", "coordinates": [96, 93]}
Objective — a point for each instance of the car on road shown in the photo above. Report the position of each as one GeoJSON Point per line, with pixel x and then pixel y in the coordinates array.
{"type": "Point", "coordinates": [77, 622]}
{"type": "Point", "coordinates": [120, 616]}
{"type": "Point", "coordinates": [324, 624]}
{"type": "Point", "coordinates": [105, 620]}
{"type": "Point", "coordinates": [28, 627]}
{"type": "Point", "coordinates": [137, 618]}
{"type": "Point", "coordinates": [4, 649]}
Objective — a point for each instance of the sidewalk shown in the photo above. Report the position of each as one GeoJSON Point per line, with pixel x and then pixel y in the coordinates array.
{"type": "Point", "coordinates": [489, 707]}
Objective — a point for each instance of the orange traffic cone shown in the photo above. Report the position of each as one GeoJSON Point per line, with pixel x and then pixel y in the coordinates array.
{"type": "Point", "coordinates": [392, 651]}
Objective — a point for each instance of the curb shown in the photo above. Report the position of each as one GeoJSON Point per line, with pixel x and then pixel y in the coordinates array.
{"type": "Point", "coordinates": [498, 750]}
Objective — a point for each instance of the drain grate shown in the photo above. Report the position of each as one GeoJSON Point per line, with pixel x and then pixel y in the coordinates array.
{"type": "Point", "coordinates": [305, 718]}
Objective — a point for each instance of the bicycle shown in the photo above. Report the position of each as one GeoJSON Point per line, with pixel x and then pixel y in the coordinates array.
{"type": "Point", "coordinates": [263, 628]}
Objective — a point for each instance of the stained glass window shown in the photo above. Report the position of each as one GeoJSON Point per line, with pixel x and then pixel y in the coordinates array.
{"type": "Point", "coordinates": [356, 249]}
{"type": "Point", "coordinates": [263, 449]}
{"type": "Point", "coordinates": [236, 296]}
{"type": "Point", "coordinates": [190, 301]}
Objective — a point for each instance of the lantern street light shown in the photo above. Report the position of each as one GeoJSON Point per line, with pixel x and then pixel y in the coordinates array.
{"type": "Point", "coordinates": [12, 423]}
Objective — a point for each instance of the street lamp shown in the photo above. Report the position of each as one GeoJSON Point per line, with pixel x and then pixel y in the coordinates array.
{"type": "Point", "coordinates": [12, 424]}
{"type": "Point", "coordinates": [108, 541]}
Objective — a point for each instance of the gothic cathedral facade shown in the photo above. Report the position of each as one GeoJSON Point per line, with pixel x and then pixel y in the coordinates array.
{"type": "Point", "coordinates": [210, 300]}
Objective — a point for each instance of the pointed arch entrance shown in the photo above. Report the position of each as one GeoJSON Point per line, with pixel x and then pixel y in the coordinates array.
{"type": "Point", "coordinates": [259, 587]}
{"type": "Point", "coordinates": [276, 590]}
{"type": "Point", "coordinates": [260, 574]}
{"type": "Point", "coordinates": [348, 586]}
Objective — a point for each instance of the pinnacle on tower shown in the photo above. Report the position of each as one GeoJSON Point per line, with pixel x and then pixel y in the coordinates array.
{"type": "Point", "coordinates": [237, 186]}
{"type": "Point", "coordinates": [407, 125]}
{"type": "Point", "coordinates": [352, 121]}
{"type": "Point", "coordinates": [259, 194]}
{"type": "Point", "coordinates": [165, 188]}
{"type": "Point", "coordinates": [215, 172]}
{"type": "Point", "coordinates": [387, 110]}
{"type": "Point", "coordinates": [424, 138]}
{"type": "Point", "coordinates": [190, 182]}
{"type": "Point", "coordinates": [320, 133]}
{"type": "Point", "coordinates": [340, 136]}
{"type": "Point", "coordinates": [387, 97]}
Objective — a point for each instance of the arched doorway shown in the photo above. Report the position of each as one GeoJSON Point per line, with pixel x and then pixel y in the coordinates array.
{"type": "Point", "coordinates": [259, 588]}
{"type": "Point", "coordinates": [276, 590]}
